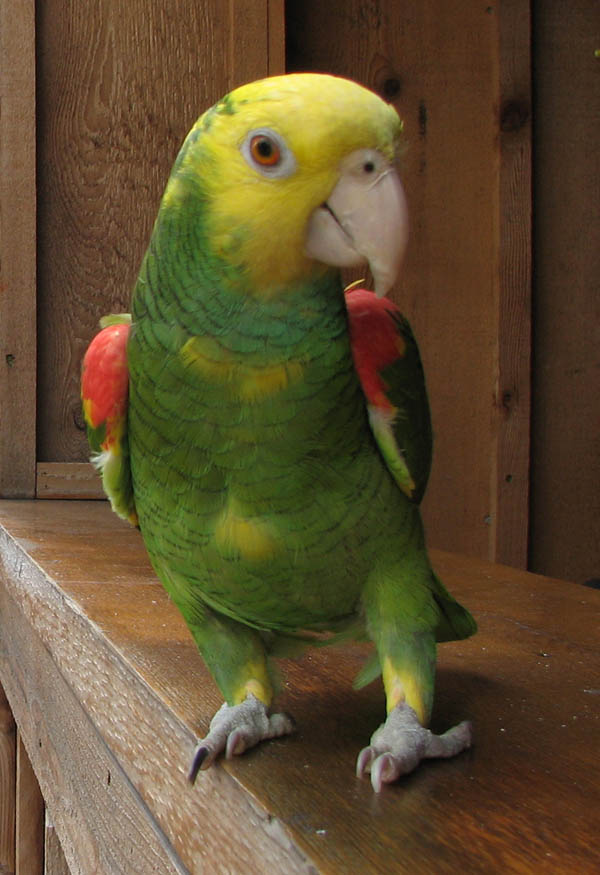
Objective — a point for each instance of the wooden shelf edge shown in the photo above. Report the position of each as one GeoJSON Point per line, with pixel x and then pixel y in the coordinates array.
{"type": "Point", "coordinates": [110, 755]}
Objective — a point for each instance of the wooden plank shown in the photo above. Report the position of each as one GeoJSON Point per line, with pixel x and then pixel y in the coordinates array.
{"type": "Point", "coordinates": [276, 37]}
{"type": "Point", "coordinates": [119, 86]}
{"type": "Point", "coordinates": [566, 412]}
{"type": "Point", "coordinates": [54, 859]}
{"type": "Point", "coordinates": [17, 248]}
{"type": "Point", "coordinates": [248, 41]}
{"type": "Point", "coordinates": [510, 486]}
{"type": "Point", "coordinates": [29, 832]}
{"type": "Point", "coordinates": [526, 680]}
{"type": "Point", "coordinates": [68, 480]}
{"type": "Point", "coordinates": [7, 785]}
{"type": "Point", "coordinates": [464, 284]}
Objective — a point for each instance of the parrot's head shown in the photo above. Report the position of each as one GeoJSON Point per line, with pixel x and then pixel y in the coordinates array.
{"type": "Point", "coordinates": [296, 175]}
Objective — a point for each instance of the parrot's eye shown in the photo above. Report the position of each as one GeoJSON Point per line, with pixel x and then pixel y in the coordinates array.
{"type": "Point", "coordinates": [267, 152]}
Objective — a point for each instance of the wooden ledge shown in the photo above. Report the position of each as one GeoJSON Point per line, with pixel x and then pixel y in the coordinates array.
{"type": "Point", "coordinates": [109, 693]}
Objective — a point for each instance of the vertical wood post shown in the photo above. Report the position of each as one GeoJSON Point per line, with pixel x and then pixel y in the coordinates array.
{"type": "Point", "coordinates": [29, 832]}
{"type": "Point", "coordinates": [565, 478]}
{"type": "Point", "coordinates": [256, 40]}
{"type": "Point", "coordinates": [17, 249]}
{"type": "Point", "coordinates": [54, 859]}
{"type": "Point", "coordinates": [7, 785]}
{"type": "Point", "coordinates": [276, 37]}
{"type": "Point", "coordinates": [510, 469]}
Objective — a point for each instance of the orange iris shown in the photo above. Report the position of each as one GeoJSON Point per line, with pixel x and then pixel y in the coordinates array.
{"type": "Point", "coordinates": [265, 151]}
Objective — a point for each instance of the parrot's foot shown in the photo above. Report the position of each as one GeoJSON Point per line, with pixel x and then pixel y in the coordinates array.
{"type": "Point", "coordinates": [235, 728]}
{"type": "Point", "coordinates": [399, 745]}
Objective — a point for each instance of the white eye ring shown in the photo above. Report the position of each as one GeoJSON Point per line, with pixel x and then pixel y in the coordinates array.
{"type": "Point", "coordinates": [280, 162]}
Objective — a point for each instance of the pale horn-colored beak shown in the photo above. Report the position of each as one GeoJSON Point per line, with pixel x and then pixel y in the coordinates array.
{"type": "Point", "coordinates": [364, 219]}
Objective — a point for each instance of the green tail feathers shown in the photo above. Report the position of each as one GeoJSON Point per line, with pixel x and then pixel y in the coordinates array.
{"type": "Point", "coordinates": [455, 622]}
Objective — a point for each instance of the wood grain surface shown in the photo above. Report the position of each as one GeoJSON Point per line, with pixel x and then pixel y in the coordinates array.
{"type": "Point", "coordinates": [565, 512]}
{"type": "Point", "coordinates": [68, 480]}
{"type": "Point", "coordinates": [54, 859]}
{"type": "Point", "coordinates": [110, 692]}
{"type": "Point", "coordinates": [17, 249]}
{"type": "Point", "coordinates": [8, 779]}
{"type": "Point", "coordinates": [29, 832]}
{"type": "Point", "coordinates": [512, 278]}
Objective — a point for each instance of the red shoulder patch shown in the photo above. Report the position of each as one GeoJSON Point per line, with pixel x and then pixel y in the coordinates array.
{"type": "Point", "coordinates": [375, 341]}
{"type": "Point", "coordinates": [105, 377]}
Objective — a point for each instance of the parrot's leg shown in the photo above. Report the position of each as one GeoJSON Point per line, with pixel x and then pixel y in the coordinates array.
{"type": "Point", "coordinates": [406, 647]}
{"type": "Point", "coordinates": [236, 657]}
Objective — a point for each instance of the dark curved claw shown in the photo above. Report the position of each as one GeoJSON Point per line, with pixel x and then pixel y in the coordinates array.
{"type": "Point", "coordinates": [200, 755]}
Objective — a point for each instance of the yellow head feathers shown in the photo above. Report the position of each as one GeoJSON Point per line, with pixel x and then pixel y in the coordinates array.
{"type": "Point", "coordinates": [268, 155]}
{"type": "Point", "coordinates": [322, 117]}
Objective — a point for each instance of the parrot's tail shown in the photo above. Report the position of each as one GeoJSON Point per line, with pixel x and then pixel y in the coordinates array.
{"type": "Point", "coordinates": [455, 622]}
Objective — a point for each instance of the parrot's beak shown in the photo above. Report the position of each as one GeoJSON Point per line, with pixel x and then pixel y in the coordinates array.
{"type": "Point", "coordinates": [363, 220]}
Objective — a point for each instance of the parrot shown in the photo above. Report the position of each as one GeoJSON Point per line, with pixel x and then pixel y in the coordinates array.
{"type": "Point", "coordinates": [268, 430]}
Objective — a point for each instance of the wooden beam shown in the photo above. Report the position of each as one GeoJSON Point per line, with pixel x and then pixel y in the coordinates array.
{"type": "Point", "coordinates": [8, 779]}
{"type": "Point", "coordinates": [510, 457]}
{"type": "Point", "coordinates": [54, 859]}
{"type": "Point", "coordinates": [80, 779]}
{"type": "Point", "coordinates": [17, 249]}
{"type": "Point", "coordinates": [256, 40]}
{"type": "Point", "coordinates": [29, 833]}
{"type": "Point", "coordinates": [565, 506]}
{"type": "Point", "coordinates": [276, 37]}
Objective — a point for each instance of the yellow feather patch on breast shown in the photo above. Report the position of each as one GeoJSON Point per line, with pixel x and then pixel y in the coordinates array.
{"type": "Point", "coordinates": [269, 380]}
{"type": "Point", "coordinates": [244, 380]}
{"type": "Point", "coordinates": [246, 537]}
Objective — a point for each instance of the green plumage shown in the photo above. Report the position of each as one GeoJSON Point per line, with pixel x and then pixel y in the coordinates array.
{"type": "Point", "coordinates": [408, 394]}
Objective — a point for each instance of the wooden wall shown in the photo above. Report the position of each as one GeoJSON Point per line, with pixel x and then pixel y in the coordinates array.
{"type": "Point", "coordinates": [115, 90]}
{"type": "Point", "coordinates": [565, 508]}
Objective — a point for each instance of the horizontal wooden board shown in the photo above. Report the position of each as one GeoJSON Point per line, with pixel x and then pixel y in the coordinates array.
{"type": "Point", "coordinates": [96, 638]}
{"type": "Point", "coordinates": [68, 480]}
